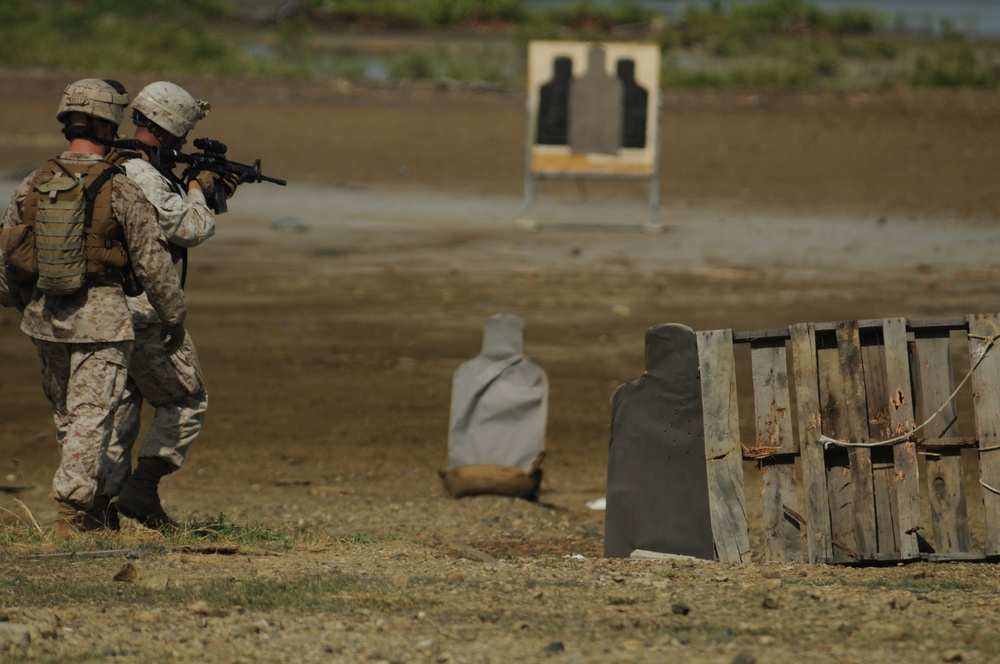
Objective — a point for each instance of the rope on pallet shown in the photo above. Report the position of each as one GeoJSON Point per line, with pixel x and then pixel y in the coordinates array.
{"type": "Point", "coordinates": [977, 356]}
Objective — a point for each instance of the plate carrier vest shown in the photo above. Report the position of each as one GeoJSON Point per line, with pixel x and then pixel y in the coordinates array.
{"type": "Point", "coordinates": [75, 231]}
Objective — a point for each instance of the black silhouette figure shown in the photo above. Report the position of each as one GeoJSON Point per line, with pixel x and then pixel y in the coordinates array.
{"type": "Point", "coordinates": [635, 100]}
{"type": "Point", "coordinates": [553, 104]}
{"type": "Point", "coordinates": [595, 101]}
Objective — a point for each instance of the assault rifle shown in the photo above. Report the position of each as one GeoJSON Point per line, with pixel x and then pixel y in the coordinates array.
{"type": "Point", "coordinates": [211, 158]}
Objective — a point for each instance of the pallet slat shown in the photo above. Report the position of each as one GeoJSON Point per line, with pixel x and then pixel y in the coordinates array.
{"type": "Point", "coordinates": [877, 399]}
{"type": "Point", "coordinates": [723, 453]}
{"type": "Point", "coordinates": [935, 376]}
{"type": "Point", "coordinates": [817, 499]}
{"type": "Point", "coordinates": [856, 416]}
{"type": "Point", "coordinates": [986, 396]}
{"type": "Point", "coordinates": [901, 420]}
{"type": "Point", "coordinates": [772, 407]}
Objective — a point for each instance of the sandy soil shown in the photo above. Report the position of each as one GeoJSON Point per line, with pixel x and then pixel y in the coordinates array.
{"type": "Point", "coordinates": [330, 315]}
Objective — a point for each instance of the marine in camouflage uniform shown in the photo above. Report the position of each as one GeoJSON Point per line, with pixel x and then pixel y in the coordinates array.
{"type": "Point", "coordinates": [84, 339]}
{"type": "Point", "coordinates": [172, 383]}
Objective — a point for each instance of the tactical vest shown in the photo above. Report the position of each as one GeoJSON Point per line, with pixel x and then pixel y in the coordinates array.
{"type": "Point", "coordinates": [75, 231]}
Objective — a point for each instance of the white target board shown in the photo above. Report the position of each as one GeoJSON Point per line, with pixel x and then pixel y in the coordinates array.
{"type": "Point", "coordinates": [593, 108]}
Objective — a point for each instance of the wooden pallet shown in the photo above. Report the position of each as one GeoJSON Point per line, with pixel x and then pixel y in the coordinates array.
{"type": "Point", "coordinates": [826, 397]}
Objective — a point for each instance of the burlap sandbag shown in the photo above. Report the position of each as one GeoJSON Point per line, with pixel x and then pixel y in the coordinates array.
{"type": "Point", "coordinates": [494, 479]}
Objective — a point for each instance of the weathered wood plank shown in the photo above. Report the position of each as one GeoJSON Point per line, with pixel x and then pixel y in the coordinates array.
{"type": "Point", "coordinates": [817, 499]}
{"type": "Point", "coordinates": [877, 399]}
{"type": "Point", "coordinates": [985, 358]}
{"type": "Point", "coordinates": [782, 534]}
{"type": "Point", "coordinates": [901, 420]}
{"type": "Point", "coordinates": [772, 402]}
{"type": "Point", "coordinates": [772, 407]}
{"type": "Point", "coordinates": [856, 416]}
{"type": "Point", "coordinates": [935, 377]}
{"type": "Point", "coordinates": [838, 471]}
{"type": "Point", "coordinates": [723, 452]}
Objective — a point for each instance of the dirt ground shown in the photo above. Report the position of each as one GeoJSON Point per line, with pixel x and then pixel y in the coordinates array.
{"type": "Point", "coordinates": [330, 314]}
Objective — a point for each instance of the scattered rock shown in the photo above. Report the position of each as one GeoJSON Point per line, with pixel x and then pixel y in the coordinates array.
{"type": "Point", "coordinates": [127, 574]}
{"type": "Point", "coordinates": [554, 648]}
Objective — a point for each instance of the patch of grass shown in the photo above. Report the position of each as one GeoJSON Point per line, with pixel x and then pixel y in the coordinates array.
{"type": "Point", "coordinates": [419, 13]}
{"type": "Point", "coordinates": [630, 600]}
{"type": "Point", "coordinates": [367, 538]}
{"type": "Point", "coordinates": [955, 64]}
{"type": "Point", "coordinates": [313, 593]}
{"type": "Point", "coordinates": [115, 35]}
{"type": "Point", "coordinates": [19, 529]}
{"type": "Point", "coordinates": [224, 530]}
{"type": "Point", "coordinates": [769, 43]}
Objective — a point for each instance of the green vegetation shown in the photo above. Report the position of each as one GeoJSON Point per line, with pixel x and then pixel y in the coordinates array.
{"type": "Point", "coordinates": [21, 533]}
{"type": "Point", "coordinates": [224, 531]}
{"type": "Point", "coordinates": [781, 43]}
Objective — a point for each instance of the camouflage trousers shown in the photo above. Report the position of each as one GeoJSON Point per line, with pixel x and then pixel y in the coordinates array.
{"type": "Point", "coordinates": [85, 383]}
{"type": "Point", "coordinates": [173, 385]}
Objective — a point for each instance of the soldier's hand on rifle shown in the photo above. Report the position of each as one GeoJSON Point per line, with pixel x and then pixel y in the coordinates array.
{"type": "Point", "coordinates": [173, 337]}
{"type": "Point", "coordinates": [230, 181]}
{"type": "Point", "coordinates": [206, 180]}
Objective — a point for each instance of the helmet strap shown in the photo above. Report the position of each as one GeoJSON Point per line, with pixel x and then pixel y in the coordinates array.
{"type": "Point", "coordinates": [165, 138]}
{"type": "Point", "coordinates": [88, 131]}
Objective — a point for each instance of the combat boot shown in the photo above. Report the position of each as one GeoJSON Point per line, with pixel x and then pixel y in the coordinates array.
{"type": "Point", "coordinates": [140, 499]}
{"type": "Point", "coordinates": [73, 519]}
{"type": "Point", "coordinates": [67, 520]}
{"type": "Point", "coordinates": [102, 515]}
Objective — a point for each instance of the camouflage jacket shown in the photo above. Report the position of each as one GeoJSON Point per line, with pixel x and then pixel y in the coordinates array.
{"type": "Point", "coordinates": [184, 219]}
{"type": "Point", "coordinates": [98, 312]}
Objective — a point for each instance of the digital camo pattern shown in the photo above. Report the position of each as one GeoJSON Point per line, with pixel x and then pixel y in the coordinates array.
{"type": "Point", "coordinates": [173, 384]}
{"type": "Point", "coordinates": [83, 339]}
{"type": "Point", "coordinates": [99, 312]}
{"type": "Point", "coordinates": [84, 383]}
{"type": "Point", "coordinates": [184, 219]}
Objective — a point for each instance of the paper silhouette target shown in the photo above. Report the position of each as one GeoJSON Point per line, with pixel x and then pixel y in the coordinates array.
{"type": "Point", "coordinates": [593, 108]}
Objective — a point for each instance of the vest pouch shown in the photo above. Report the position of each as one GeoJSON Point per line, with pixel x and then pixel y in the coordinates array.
{"type": "Point", "coordinates": [112, 256]}
{"type": "Point", "coordinates": [17, 243]}
{"type": "Point", "coordinates": [60, 234]}
{"type": "Point", "coordinates": [105, 254]}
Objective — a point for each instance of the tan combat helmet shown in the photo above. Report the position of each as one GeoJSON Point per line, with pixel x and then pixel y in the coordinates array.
{"type": "Point", "coordinates": [94, 97]}
{"type": "Point", "coordinates": [170, 107]}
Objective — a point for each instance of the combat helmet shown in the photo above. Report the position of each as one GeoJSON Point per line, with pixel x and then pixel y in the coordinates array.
{"type": "Point", "coordinates": [168, 106]}
{"type": "Point", "coordinates": [96, 98]}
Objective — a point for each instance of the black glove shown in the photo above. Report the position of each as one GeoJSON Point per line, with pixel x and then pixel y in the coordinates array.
{"type": "Point", "coordinates": [173, 337]}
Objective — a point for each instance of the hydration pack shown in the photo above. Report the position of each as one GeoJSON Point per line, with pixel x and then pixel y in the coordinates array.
{"type": "Point", "coordinates": [68, 230]}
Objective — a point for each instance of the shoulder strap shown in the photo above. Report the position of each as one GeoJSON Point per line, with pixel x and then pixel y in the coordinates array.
{"type": "Point", "coordinates": [90, 194]}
